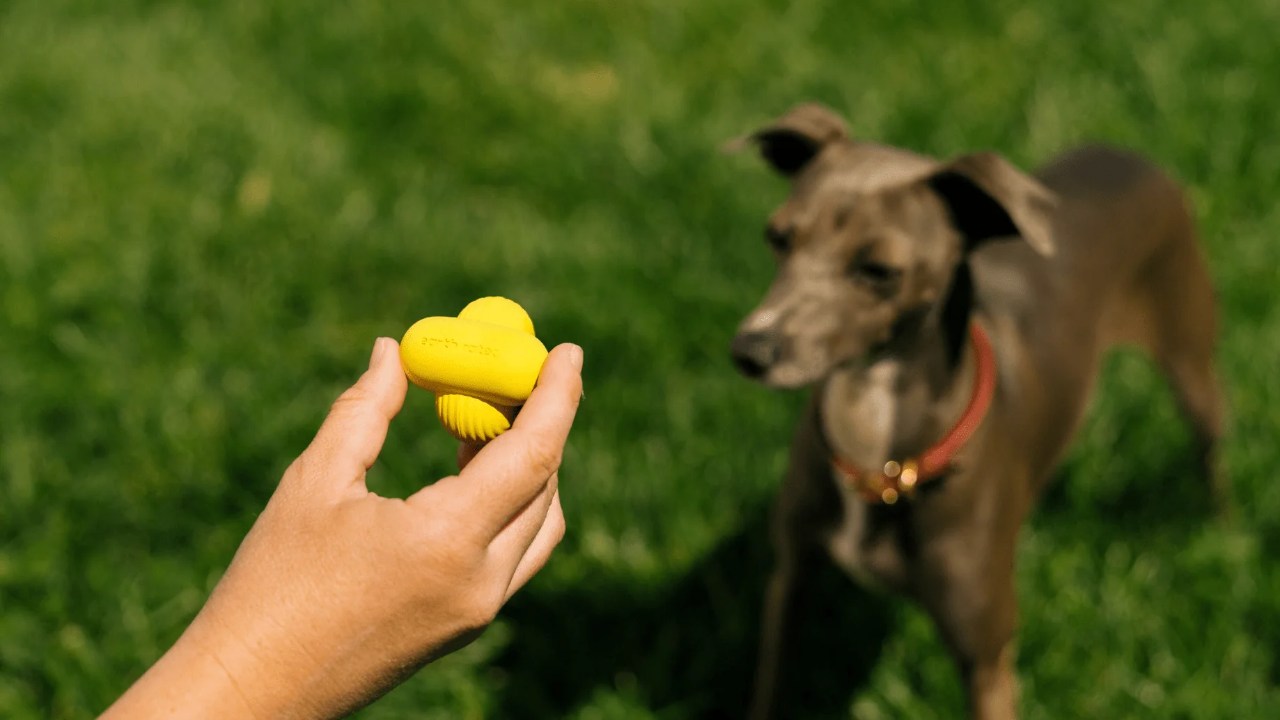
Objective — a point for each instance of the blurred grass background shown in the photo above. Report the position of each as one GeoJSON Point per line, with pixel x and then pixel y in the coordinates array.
{"type": "Point", "coordinates": [208, 210]}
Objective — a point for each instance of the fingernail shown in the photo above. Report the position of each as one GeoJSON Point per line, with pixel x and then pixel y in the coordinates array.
{"type": "Point", "coordinates": [380, 347]}
{"type": "Point", "coordinates": [575, 359]}
{"type": "Point", "coordinates": [575, 356]}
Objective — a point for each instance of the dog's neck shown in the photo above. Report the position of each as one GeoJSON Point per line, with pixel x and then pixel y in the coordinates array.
{"type": "Point", "coordinates": [903, 402]}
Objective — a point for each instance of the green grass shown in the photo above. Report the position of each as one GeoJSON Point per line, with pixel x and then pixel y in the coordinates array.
{"type": "Point", "coordinates": [209, 210]}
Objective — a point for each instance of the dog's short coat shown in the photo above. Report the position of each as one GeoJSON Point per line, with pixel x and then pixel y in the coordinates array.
{"type": "Point", "coordinates": [885, 258]}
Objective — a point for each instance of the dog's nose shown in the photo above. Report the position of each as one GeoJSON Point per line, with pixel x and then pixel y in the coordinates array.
{"type": "Point", "coordinates": [755, 352]}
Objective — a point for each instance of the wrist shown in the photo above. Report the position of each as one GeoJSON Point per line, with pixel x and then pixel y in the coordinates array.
{"type": "Point", "coordinates": [187, 682]}
{"type": "Point", "coordinates": [260, 663]}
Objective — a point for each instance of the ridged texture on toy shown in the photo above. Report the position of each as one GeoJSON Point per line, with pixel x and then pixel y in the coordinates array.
{"type": "Point", "coordinates": [471, 420]}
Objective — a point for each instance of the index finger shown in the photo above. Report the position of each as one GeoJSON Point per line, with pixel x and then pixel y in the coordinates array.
{"type": "Point", "coordinates": [508, 473]}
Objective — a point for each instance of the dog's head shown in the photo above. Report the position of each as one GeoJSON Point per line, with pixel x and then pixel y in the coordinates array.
{"type": "Point", "coordinates": [869, 242]}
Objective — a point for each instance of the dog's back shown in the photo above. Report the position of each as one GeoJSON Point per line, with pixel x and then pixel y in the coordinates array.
{"type": "Point", "coordinates": [1127, 270]}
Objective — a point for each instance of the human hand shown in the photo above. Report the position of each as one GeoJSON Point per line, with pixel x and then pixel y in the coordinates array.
{"type": "Point", "coordinates": [338, 594]}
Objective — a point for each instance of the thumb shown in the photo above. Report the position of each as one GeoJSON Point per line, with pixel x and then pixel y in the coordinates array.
{"type": "Point", "coordinates": [351, 437]}
{"type": "Point", "coordinates": [510, 472]}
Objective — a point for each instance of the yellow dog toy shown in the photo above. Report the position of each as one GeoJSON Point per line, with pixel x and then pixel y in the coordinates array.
{"type": "Point", "coordinates": [481, 365]}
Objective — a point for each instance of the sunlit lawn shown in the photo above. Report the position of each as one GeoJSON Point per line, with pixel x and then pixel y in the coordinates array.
{"type": "Point", "coordinates": [208, 211]}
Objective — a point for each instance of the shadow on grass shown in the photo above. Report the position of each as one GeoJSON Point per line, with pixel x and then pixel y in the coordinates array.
{"type": "Point", "coordinates": [688, 649]}
{"type": "Point", "coordinates": [1264, 620]}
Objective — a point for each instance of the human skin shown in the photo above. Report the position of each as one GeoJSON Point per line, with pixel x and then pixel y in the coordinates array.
{"type": "Point", "coordinates": [337, 594]}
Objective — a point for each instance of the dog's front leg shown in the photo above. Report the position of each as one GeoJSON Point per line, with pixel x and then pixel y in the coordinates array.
{"type": "Point", "coordinates": [965, 581]}
{"type": "Point", "coordinates": [983, 648]}
{"type": "Point", "coordinates": [773, 630]}
{"type": "Point", "coordinates": [804, 505]}
{"type": "Point", "coordinates": [993, 687]}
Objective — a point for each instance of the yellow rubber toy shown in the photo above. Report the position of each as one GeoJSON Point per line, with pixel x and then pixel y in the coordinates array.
{"type": "Point", "coordinates": [481, 365]}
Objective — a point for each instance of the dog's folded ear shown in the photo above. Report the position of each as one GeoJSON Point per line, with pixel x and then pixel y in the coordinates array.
{"type": "Point", "coordinates": [990, 198]}
{"type": "Point", "coordinates": [792, 140]}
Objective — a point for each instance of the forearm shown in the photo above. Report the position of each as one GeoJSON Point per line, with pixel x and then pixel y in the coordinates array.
{"type": "Point", "coordinates": [218, 671]}
{"type": "Point", "coordinates": [189, 681]}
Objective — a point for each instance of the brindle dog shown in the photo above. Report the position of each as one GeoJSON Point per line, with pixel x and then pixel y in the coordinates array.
{"type": "Point", "coordinates": [895, 271]}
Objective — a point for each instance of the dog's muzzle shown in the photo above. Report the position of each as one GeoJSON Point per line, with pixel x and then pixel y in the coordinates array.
{"type": "Point", "coordinates": [755, 352]}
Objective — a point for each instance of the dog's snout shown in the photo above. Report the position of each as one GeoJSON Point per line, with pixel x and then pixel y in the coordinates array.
{"type": "Point", "coordinates": [755, 352]}
{"type": "Point", "coordinates": [779, 236]}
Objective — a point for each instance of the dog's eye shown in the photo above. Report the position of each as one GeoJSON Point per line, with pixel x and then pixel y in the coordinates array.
{"type": "Point", "coordinates": [779, 238]}
{"type": "Point", "coordinates": [878, 276]}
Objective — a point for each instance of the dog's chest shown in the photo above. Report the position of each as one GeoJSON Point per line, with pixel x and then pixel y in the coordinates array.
{"type": "Point", "coordinates": [864, 542]}
{"type": "Point", "coordinates": [858, 416]}
{"type": "Point", "coordinates": [845, 543]}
